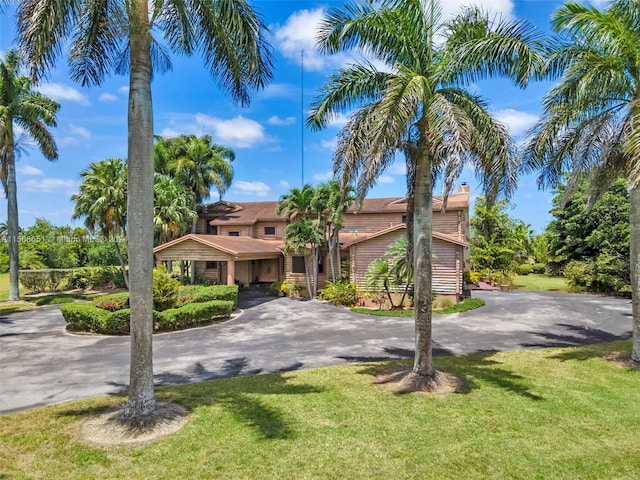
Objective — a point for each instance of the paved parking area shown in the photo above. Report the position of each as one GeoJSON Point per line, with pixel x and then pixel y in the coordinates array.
{"type": "Point", "coordinates": [42, 364]}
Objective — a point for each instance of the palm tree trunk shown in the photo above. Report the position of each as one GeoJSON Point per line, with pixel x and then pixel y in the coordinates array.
{"type": "Point", "coordinates": [12, 223]}
{"type": "Point", "coordinates": [634, 224]}
{"type": "Point", "coordinates": [422, 223]}
{"type": "Point", "coordinates": [123, 267]}
{"type": "Point", "coordinates": [141, 402]}
{"type": "Point", "coordinates": [306, 277]}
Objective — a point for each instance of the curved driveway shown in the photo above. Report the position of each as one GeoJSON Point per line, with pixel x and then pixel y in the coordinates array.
{"type": "Point", "coordinates": [41, 364]}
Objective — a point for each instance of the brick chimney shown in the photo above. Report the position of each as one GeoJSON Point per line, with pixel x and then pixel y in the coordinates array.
{"type": "Point", "coordinates": [463, 188]}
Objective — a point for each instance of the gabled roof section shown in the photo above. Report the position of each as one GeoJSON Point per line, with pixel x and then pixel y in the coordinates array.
{"type": "Point", "coordinates": [237, 246]}
{"type": "Point", "coordinates": [349, 239]}
{"type": "Point", "coordinates": [248, 213]}
{"type": "Point", "coordinates": [455, 201]}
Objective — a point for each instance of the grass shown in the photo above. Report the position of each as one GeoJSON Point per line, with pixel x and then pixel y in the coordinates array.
{"type": "Point", "coordinates": [465, 305]}
{"type": "Point", "coordinates": [555, 413]}
{"type": "Point", "coordinates": [539, 282]}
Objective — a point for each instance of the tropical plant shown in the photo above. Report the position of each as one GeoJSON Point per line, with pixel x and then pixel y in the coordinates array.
{"type": "Point", "coordinates": [119, 36]}
{"type": "Point", "coordinates": [591, 118]}
{"type": "Point", "coordinates": [21, 110]}
{"type": "Point", "coordinates": [102, 202]}
{"type": "Point", "coordinates": [391, 272]}
{"type": "Point", "coordinates": [418, 104]}
{"type": "Point", "coordinates": [174, 209]}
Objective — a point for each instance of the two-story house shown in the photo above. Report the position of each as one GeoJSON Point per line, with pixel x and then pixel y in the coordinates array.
{"type": "Point", "coordinates": [242, 242]}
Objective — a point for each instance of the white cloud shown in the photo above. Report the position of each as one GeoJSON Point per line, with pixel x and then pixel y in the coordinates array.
{"type": "Point", "coordinates": [29, 170]}
{"type": "Point", "coordinates": [517, 121]}
{"type": "Point", "coordinates": [280, 90]}
{"type": "Point", "coordinates": [108, 97]}
{"type": "Point", "coordinates": [284, 184]}
{"type": "Point", "coordinates": [397, 168]}
{"type": "Point", "coordinates": [329, 144]}
{"type": "Point", "coordinates": [276, 120]}
{"type": "Point", "coordinates": [237, 132]}
{"type": "Point", "coordinates": [338, 120]}
{"type": "Point", "coordinates": [259, 189]}
{"type": "Point", "coordinates": [386, 179]}
{"type": "Point", "coordinates": [79, 131]}
{"type": "Point", "coordinates": [323, 176]}
{"type": "Point", "coordinates": [298, 34]}
{"type": "Point", "coordinates": [49, 185]}
{"type": "Point", "coordinates": [124, 89]}
{"type": "Point", "coordinates": [61, 92]}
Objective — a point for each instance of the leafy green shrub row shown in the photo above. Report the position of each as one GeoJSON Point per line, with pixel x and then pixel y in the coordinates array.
{"type": "Point", "coordinates": [605, 274]}
{"type": "Point", "coordinates": [340, 293]}
{"type": "Point", "coordinates": [523, 269]}
{"type": "Point", "coordinates": [538, 268]}
{"type": "Point", "coordinates": [202, 293]}
{"type": "Point", "coordinates": [87, 317]}
{"type": "Point", "coordinates": [46, 280]}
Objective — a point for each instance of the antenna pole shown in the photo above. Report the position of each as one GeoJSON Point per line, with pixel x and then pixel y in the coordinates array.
{"type": "Point", "coordinates": [302, 116]}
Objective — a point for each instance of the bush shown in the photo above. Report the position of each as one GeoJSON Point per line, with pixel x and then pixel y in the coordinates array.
{"type": "Point", "coordinates": [202, 293]}
{"type": "Point", "coordinates": [538, 268]}
{"type": "Point", "coordinates": [113, 302]}
{"type": "Point", "coordinates": [46, 280]}
{"type": "Point", "coordinates": [165, 289]}
{"type": "Point", "coordinates": [340, 293]}
{"type": "Point", "coordinates": [442, 303]}
{"type": "Point", "coordinates": [85, 317]}
{"type": "Point", "coordinates": [523, 269]}
{"type": "Point", "coordinates": [97, 277]}
{"type": "Point", "coordinates": [192, 315]}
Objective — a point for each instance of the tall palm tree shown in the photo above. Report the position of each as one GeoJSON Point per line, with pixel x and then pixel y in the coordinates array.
{"type": "Point", "coordinates": [119, 36]}
{"type": "Point", "coordinates": [421, 107]}
{"type": "Point", "coordinates": [197, 162]}
{"type": "Point", "coordinates": [32, 112]}
{"type": "Point", "coordinates": [174, 209]}
{"type": "Point", "coordinates": [591, 119]}
{"type": "Point", "coordinates": [102, 201]}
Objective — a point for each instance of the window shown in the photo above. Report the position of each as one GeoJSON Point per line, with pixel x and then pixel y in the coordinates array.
{"type": "Point", "coordinates": [297, 265]}
{"type": "Point", "coordinates": [234, 234]}
{"type": "Point", "coordinates": [212, 265]}
{"type": "Point", "coordinates": [320, 265]}
{"type": "Point", "coordinates": [269, 230]}
{"type": "Point", "coordinates": [212, 229]}
{"type": "Point", "coordinates": [404, 219]}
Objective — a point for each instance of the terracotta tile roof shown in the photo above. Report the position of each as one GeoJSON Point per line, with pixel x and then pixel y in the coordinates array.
{"type": "Point", "coordinates": [455, 201]}
{"type": "Point", "coordinates": [351, 238]}
{"type": "Point", "coordinates": [237, 246]}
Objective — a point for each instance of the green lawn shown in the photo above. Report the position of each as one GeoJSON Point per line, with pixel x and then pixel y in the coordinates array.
{"type": "Point", "coordinates": [556, 413]}
{"type": "Point", "coordinates": [540, 282]}
{"type": "Point", "coordinates": [463, 306]}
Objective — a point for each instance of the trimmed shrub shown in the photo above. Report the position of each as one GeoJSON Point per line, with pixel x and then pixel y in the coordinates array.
{"type": "Point", "coordinates": [85, 317]}
{"type": "Point", "coordinates": [340, 293]}
{"type": "Point", "coordinates": [192, 315]}
{"type": "Point", "coordinates": [118, 322]}
{"type": "Point", "coordinates": [200, 293]}
{"type": "Point", "coordinates": [45, 280]}
{"type": "Point", "coordinates": [112, 302]}
{"type": "Point", "coordinates": [97, 277]}
{"type": "Point", "coordinates": [538, 268]}
{"type": "Point", "coordinates": [523, 269]}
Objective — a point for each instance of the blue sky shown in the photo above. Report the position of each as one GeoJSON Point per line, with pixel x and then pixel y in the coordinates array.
{"type": "Point", "coordinates": [268, 136]}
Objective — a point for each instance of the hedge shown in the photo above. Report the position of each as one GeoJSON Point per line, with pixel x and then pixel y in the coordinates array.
{"type": "Point", "coordinates": [87, 317]}
{"type": "Point", "coordinates": [97, 277]}
{"type": "Point", "coordinates": [46, 280]}
{"type": "Point", "coordinates": [200, 293]}
{"type": "Point", "coordinates": [112, 302]}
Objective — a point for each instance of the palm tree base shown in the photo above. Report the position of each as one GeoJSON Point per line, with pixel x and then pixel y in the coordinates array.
{"type": "Point", "coordinates": [403, 379]}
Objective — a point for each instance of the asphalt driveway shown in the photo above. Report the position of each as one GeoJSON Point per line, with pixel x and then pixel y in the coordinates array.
{"type": "Point", "coordinates": [42, 364]}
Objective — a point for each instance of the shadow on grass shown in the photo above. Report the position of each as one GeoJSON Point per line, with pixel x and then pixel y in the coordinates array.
{"type": "Point", "coordinates": [474, 370]}
{"type": "Point", "coordinates": [395, 353]}
{"type": "Point", "coordinates": [241, 399]}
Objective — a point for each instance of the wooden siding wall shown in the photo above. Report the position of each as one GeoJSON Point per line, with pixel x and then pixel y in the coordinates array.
{"type": "Point", "coordinates": [258, 230]}
{"type": "Point", "coordinates": [299, 278]}
{"type": "Point", "coordinates": [201, 225]}
{"type": "Point", "coordinates": [372, 222]}
{"type": "Point", "coordinates": [242, 273]}
{"type": "Point", "coordinates": [447, 266]}
{"type": "Point", "coordinates": [210, 274]}
{"type": "Point", "coordinates": [191, 250]}
{"type": "Point", "coordinates": [362, 254]}
{"type": "Point", "coordinates": [243, 230]}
